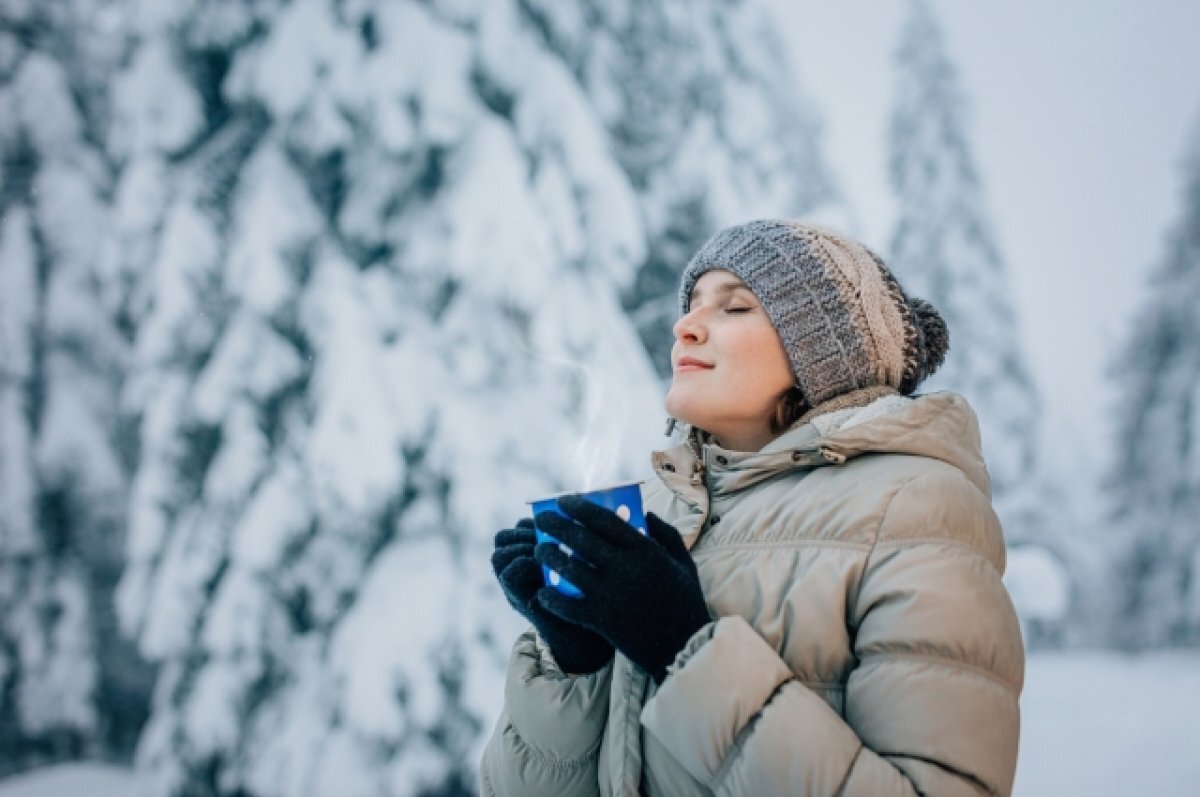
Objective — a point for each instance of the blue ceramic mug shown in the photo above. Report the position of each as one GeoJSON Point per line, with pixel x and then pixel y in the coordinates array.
{"type": "Point", "coordinates": [625, 500]}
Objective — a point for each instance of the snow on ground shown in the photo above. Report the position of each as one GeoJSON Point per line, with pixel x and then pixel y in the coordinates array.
{"type": "Point", "coordinates": [71, 780]}
{"type": "Point", "coordinates": [1094, 725]}
{"type": "Point", "coordinates": [1103, 724]}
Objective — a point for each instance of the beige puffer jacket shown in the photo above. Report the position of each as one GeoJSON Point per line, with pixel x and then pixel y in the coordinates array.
{"type": "Point", "coordinates": [864, 643]}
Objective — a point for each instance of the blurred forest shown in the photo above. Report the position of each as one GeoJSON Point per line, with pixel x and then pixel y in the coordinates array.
{"type": "Point", "coordinates": [293, 300]}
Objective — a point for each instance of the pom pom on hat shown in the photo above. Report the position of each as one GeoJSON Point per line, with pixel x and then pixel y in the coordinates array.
{"type": "Point", "coordinates": [935, 337]}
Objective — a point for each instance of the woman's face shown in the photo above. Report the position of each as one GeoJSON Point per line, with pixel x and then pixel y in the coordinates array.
{"type": "Point", "coordinates": [730, 369]}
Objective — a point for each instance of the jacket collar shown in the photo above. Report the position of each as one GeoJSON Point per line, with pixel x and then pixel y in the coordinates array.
{"type": "Point", "coordinates": [726, 471]}
{"type": "Point", "coordinates": [939, 425]}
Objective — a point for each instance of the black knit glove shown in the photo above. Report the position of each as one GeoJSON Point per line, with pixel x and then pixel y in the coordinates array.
{"type": "Point", "coordinates": [576, 649]}
{"type": "Point", "coordinates": [640, 593]}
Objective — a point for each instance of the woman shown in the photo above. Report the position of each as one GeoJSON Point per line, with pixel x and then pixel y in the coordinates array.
{"type": "Point", "coordinates": [818, 608]}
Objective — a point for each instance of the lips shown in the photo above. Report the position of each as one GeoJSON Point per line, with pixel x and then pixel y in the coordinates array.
{"type": "Point", "coordinates": [691, 364]}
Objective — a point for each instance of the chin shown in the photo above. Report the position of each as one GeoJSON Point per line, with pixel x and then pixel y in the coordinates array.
{"type": "Point", "coordinates": [684, 411]}
{"type": "Point", "coordinates": [675, 406]}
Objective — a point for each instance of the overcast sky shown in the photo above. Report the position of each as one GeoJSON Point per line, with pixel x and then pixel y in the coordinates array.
{"type": "Point", "coordinates": [1080, 112]}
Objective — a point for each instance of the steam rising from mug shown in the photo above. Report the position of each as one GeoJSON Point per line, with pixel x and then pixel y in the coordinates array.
{"type": "Point", "coordinates": [605, 410]}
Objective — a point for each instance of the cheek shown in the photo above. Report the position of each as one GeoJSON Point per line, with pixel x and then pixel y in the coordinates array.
{"type": "Point", "coordinates": [771, 371]}
{"type": "Point", "coordinates": [783, 376]}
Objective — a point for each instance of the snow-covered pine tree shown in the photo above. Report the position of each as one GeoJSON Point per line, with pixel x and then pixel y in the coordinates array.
{"type": "Point", "coordinates": [69, 686]}
{"type": "Point", "coordinates": [1154, 477]}
{"type": "Point", "coordinates": [360, 240]}
{"type": "Point", "coordinates": [705, 118]}
{"type": "Point", "coordinates": [943, 249]}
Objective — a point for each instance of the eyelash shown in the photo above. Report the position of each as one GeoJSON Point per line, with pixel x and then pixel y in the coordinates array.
{"type": "Point", "coordinates": [738, 309]}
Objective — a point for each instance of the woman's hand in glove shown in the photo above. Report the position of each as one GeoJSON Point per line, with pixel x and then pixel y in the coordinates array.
{"type": "Point", "coordinates": [640, 593]}
{"type": "Point", "coordinates": [577, 650]}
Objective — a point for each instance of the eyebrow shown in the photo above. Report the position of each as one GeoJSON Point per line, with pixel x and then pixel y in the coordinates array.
{"type": "Point", "coordinates": [722, 287]}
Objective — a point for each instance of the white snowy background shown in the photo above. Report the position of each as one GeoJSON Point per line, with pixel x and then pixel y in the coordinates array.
{"type": "Point", "coordinates": [298, 300]}
{"type": "Point", "coordinates": [1081, 114]}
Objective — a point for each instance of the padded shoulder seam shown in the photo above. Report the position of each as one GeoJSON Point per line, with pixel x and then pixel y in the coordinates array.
{"type": "Point", "coordinates": [953, 478]}
{"type": "Point", "coordinates": [883, 519]}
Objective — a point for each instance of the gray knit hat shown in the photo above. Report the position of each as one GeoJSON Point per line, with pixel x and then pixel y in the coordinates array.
{"type": "Point", "coordinates": [843, 319]}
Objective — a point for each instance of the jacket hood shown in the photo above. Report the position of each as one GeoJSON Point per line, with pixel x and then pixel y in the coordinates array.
{"type": "Point", "coordinates": [938, 425]}
{"type": "Point", "coordinates": [941, 426]}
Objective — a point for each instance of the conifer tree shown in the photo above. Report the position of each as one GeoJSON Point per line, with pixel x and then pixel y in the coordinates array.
{"type": "Point", "coordinates": [1154, 477]}
{"type": "Point", "coordinates": [943, 249]}
{"type": "Point", "coordinates": [69, 686]}
{"type": "Point", "coordinates": [707, 120]}
{"type": "Point", "coordinates": [360, 240]}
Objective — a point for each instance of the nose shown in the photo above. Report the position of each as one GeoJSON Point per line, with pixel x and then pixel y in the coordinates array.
{"type": "Point", "coordinates": [690, 328]}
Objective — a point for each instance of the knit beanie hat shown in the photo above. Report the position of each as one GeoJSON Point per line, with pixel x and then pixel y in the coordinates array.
{"type": "Point", "coordinates": [843, 318]}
